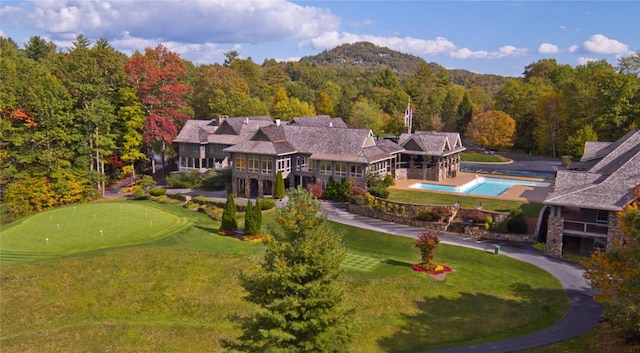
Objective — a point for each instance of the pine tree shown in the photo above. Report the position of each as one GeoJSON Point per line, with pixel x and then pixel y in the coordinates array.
{"type": "Point", "coordinates": [279, 192]}
{"type": "Point", "coordinates": [298, 286]}
{"type": "Point", "coordinates": [249, 220]}
{"type": "Point", "coordinates": [229, 220]}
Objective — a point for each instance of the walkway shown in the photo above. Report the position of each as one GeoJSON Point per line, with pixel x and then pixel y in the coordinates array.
{"type": "Point", "coordinates": [583, 312]}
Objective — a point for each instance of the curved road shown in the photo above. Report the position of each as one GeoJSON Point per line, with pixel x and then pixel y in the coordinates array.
{"type": "Point", "coordinates": [583, 312]}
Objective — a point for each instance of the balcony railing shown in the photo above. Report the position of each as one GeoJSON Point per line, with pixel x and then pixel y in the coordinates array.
{"type": "Point", "coordinates": [585, 228]}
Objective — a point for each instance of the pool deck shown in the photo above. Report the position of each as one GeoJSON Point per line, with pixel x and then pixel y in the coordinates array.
{"type": "Point", "coordinates": [517, 192]}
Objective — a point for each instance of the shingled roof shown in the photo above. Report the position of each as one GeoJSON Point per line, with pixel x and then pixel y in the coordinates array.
{"type": "Point", "coordinates": [321, 143]}
{"type": "Point", "coordinates": [238, 129]}
{"type": "Point", "coordinates": [432, 143]}
{"type": "Point", "coordinates": [318, 121]}
{"type": "Point", "coordinates": [196, 131]}
{"type": "Point", "coordinates": [611, 174]}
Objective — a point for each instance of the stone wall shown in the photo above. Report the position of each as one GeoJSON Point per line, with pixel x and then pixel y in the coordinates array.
{"type": "Point", "coordinates": [401, 174]}
{"type": "Point", "coordinates": [392, 217]}
{"type": "Point", "coordinates": [555, 230]}
{"type": "Point", "coordinates": [481, 233]}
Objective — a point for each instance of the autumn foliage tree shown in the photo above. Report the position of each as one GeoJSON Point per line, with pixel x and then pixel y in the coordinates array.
{"type": "Point", "coordinates": [427, 243]}
{"type": "Point", "coordinates": [491, 129]}
{"type": "Point", "coordinates": [158, 78]}
{"type": "Point", "coordinates": [615, 276]}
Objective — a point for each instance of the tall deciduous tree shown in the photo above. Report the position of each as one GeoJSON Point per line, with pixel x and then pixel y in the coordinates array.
{"type": "Point", "coordinates": [298, 286]}
{"type": "Point", "coordinates": [366, 114]}
{"type": "Point", "coordinates": [219, 90]}
{"type": "Point", "coordinates": [551, 127]}
{"type": "Point", "coordinates": [157, 77]}
{"type": "Point", "coordinates": [492, 129]}
{"type": "Point", "coordinates": [575, 142]}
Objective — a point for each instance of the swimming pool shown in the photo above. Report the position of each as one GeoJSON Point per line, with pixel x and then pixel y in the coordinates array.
{"type": "Point", "coordinates": [481, 186]}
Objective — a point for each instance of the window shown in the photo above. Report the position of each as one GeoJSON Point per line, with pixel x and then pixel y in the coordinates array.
{"type": "Point", "coordinates": [356, 171]}
{"type": "Point", "coordinates": [195, 148]}
{"type": "Point", "coordinates": [284, 164]}
{"type": "Point", "coordinates": [341, 169]}
{"type": "Point", "coordinates": [254, 163]}
{"type": "Point", "coordinates": [241, 162]}
{"type": "Point", "coordinates": [217, 149]}
{"type": "Point", "coordinates": [602, 217]}
{"type": "Point", "coordinates": [325, 167]}
{"type": "Point", "coordinates": [267, 165]}
{"type": "Point", "coordinates": [302, 163]}
{"type": "Point", "coordinates": [182, 147]}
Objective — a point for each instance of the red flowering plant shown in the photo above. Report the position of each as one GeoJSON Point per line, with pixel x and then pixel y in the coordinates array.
{"type": "Point", "coordinates": [428, 243]}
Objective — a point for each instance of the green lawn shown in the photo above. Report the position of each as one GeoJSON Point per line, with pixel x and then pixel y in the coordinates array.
{"type": "Point", "coordinates": [469, 156]}
{"type": "Point", "coordinates": [530, 209]}
{"type": "Point", "coordinates": [179, 292]}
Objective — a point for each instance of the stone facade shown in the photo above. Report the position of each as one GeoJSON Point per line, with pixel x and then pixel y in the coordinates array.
{"type": "Point", "coordinates": [554, 236]}
{"type": "Point", "coordinates": [614, 231]}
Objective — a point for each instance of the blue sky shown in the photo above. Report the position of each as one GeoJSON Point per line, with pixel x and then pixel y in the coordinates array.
{"type": "Point", "coordinates": [496, 37]}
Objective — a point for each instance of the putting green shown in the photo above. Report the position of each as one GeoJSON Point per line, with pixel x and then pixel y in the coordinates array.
{"type": "Point", "coordinates": [360, 262]}
{"type": "Point", "coordinates": [86, 227]}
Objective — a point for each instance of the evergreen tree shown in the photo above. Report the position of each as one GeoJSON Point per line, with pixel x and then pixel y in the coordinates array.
{"type": "Point", "coordinates": [465, 112]}
{"type": "Point", "coordinates": [257, 215]}
{"type": "Point", "coordinates": [229, 220]}
{"type": "Point", "coordinates": [249, 220]}
{"type": "Point", "coordinates": [298, 286]}
{"type": "Point", "coordinates": [279, 192]}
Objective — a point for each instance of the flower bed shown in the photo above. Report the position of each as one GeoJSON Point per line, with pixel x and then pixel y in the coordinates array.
{"type": "Point", "coordinates": [253, 238]}
{"type": "Point", "coordinates": [434, 269]}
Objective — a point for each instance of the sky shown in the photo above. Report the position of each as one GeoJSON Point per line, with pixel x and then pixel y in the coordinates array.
{"type": "Point", "coordinates": [489, 37]}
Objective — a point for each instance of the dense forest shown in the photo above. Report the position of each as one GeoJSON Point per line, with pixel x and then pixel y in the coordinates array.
{"type": "Point", "coordinates": [76, 119]}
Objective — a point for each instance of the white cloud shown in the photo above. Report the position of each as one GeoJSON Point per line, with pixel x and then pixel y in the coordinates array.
{"type": "Point", "coordinates": [504, 52]}
{"type": "Point", "coordinates": [585, 61]}
{"type": "Point", "coordinates": [547, 48]}
{"type": "Point", "coordinates": [193, 21]}
{"type": "Point", "coordinates": [599, 44]}
{"type": "Point", "coordinates": [573, 48]}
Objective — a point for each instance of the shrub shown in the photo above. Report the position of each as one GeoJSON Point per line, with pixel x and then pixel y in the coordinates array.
{"type": "Point", "coordinates": [216, 181]}
{"type": "Point", "coordinates": [388, 180]}
{"type": "Point", "coordinates": [379, 191]}
{"type": "Point", "coordinates": [316, 190]}
{"type": "Point", "coordinates": [476, 216]}
{"type": "Point", "coordinates": [441, 213]}
{"type": "Point", "coordinates": [356, 190]}
{"type": "Point", "coordinates": [267, 204]}
{"type": "Point", "coordinates": [424, 214]}
{"type": "Point", "coordinates": [427, 243]}
{"type": "Point", "coordinates": [517, 223]}
{"type": "Point", "coordinates": [179, 181]}
{"type": "Point", "coordinates": [139, 194]}
{"type": "Point", "coordinates": [229, 221]}
{"type": "Point", "coordinates": [542, 247]}
{"type": "Point", "coordinates": [157, 192]}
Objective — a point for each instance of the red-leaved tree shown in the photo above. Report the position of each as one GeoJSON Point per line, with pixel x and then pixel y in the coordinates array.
{"type": "Point", "coordinates": [157, 78]}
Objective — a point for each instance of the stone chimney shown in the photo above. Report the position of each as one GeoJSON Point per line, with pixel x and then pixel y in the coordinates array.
{"type": "Point", "coordinates": [277, 121]}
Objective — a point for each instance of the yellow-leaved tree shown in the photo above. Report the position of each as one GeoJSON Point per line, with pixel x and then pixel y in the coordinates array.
{"type": "Point", "coordinates": [491, 129]}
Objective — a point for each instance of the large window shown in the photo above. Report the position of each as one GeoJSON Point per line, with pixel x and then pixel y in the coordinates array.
{"type": "Point", "coordinates": [195, 148]}
{"type": "Point", "coordinates": [341, 169]}
{"type": "Point", "coordinates": [182, 147]}
{"type": "Point", "coordinates": [267, 165]}
{"type": "Point", "coordinates": [254, 163]}
{"type": "Point", "coordinates": [217, 149]}
{"type": "Point", "coordinates": [356, 171]}
{"type": "Point", "coordinates": [241, 162]}
{"type": "Point", "coordinates": [325, 167]}
{"type": "Point", "coordinates": [380, 167]}
{"type": "Point", "coordinates": [302, 163]}
{"type": "Point", "coordinates": [284, 164]}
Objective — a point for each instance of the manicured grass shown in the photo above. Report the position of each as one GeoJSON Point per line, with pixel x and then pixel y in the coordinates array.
{"type": "Point", "coordinates": [179, 293]}
{"type": "Point", "coordinates": [469, 156]}
{"type": "Point", "coordinates": [530, 209]}
{"type": "Point", "coordinates": [85, 227]}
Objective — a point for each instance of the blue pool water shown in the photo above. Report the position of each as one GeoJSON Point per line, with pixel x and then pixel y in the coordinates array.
{"type": "Point", "coordinates": [481, 186]}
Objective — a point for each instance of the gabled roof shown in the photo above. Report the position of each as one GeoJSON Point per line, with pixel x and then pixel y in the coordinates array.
{"type": "Point", "coordinates": [321, 143]}
{"type": "Point", "coordinates": [612, 172]}
{"type": "Point", "coordinates": [196, 131]}
{"type": "Point", "coordinates": [432, 143]}
{"type": "Point", "coordinates": [237, 129]}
